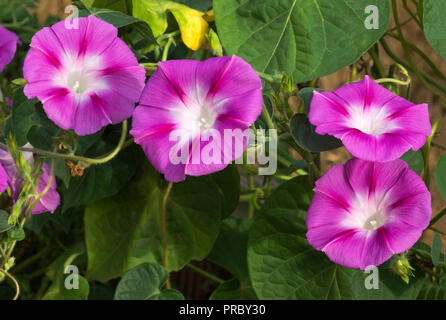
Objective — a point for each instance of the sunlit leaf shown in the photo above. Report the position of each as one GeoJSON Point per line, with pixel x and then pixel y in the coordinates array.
{"type": "Point", "coordinates": [193, 26]}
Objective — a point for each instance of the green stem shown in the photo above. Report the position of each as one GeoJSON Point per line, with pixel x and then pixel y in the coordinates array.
{"type": "Point", "coordinates": [19, 27]}
{"type": "Point", "coordinates": [164, 229]}
{"type": "Point", "coordinates": [100, 160]}
{"type": "Point", "coordinates": [420, 53]}
{"type": "Point", "coordinates": [426, 154]}
{"type": "Point", "coordinates": [284, 161]}
{"type": "Point", "coordinates": [254, 197]}
{"type": "Point", "coordinates": [425, 79]}
{"type": "Point", "coordinates": [17, 287]}
{"type": "Point", "coordinates": [268, 77]}
{"type": "Point", "coordinates": [30, 260]}
{"type": "Point", "coordinates": [11, 248]}
{"type": "Point", "coordinates": [170, 40]}
{"type": "Point", "coordinates": [374, 54]}
{"type": "Point", "coordinates": [315, 173]}
{"type": "Point", "coordinates": [44, 191]}
{"type": "Point", "coordinates": [437, 217]}
{"type": "Point", "coordinates": [413, 15]}
{"type": "Point", "coordinates": [438, 231]}
{"type": "Point", "coordinates": [205, 274]}
{"type": "Point", "coordinates": [268, 120]}
{"type": "Point", "coordinates": [404, 45]}
{"type": "Point", "coordinates": [406, 82]}
{"type": "Point", "coordinates": [251, 205]}
{"type": "Point", "coordinates": [392, 80]}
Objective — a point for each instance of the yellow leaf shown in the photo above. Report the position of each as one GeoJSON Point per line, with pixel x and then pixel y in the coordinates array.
{"type": "Point", "coordinates": [192, 25]}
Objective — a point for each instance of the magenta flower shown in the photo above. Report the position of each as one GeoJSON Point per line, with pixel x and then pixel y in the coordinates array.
{"type": "Point", "coordinates": [199, 103]}
{"type": "Point", "coordinates": [8, 46]}
{"type": "Point", "coordinates": [3, 179]}
{"type": "Point", "coordinates": [50, 201]}
{"type": "Point", "coordinates": [372, 122]}
{"type": "Point", "coordinates": [364, 212]}
{"type": "Point", "coordinates": [86, 78]}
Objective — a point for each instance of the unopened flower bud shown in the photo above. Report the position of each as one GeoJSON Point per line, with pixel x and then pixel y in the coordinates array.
{"type": "Point", "coordinates": [402, 268]}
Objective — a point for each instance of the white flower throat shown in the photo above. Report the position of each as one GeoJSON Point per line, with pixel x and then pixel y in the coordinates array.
{"type": "Point", "coordinates": [367, 213]}
{"type": "Point", "coordinates": [81, 75]}
{"type": "Point", "coordinates": [371, 121]}
{"type": "Point", "coordinates": [205, 118]}
{"type": "Point", "coordinates": [374, 222]}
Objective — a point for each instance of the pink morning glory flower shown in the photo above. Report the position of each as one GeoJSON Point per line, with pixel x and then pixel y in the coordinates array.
{"type": "Point", "coordinates": [50, 201]}
{"type": "Point", "coordinates": [373, 123]}
{"type": "Point", "coordinates": [200, 103]}
{"type": "Point", "coordinates": [86, 78]}
{"type": "Point", "coordinates": [364, 212]}
{"type": "Point", "coordinates": [8, 46]}
{"type": "Point", "coordinates": [3, 179]}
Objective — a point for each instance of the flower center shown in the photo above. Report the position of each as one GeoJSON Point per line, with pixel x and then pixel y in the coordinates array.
{"type": "Point", "coordinates": [371, 121]}
{"type": "Point", "coordinates": [195, 118]}
{"type": "Point", "coordinates": [374, 222]}
{"type": "Point", "coordinates": [81, 75]}
{"type": "Point", "coordinates": [206, 118]}
{"type": "Point", "coordinates": [367, 213]}
{"type": "Point", "coordinates": [77, 83]}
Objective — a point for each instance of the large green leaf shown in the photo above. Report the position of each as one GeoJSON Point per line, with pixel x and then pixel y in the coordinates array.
{"type": "Point", "coordinates": [201, 5]}
{"type": "Point", "coordinates": [230, 252]}
{"type": "Point", "coordinates": [118, 5]}
{"type": "Point", "coordinates": [56, 273]}
{"type": "Point", "coordinates": [390, 285]}
{"type": "Point", "coordinates": [233, 290]}
{"type": "Point", "coordinates": [116, 18]}
{"type": "Point", "coordinates": [119, 20]}
{"type": "Point", "coordinates": [230, 248]}
{"type": "Point", "coordinates": [440, 175]}
{"type": "Point", "coordinates": [58, 291]}
{"type": "Point", "coordinates": [124, 231]}
{"type": "Point", "coordinates": [99, 181]}
{"type": "Point", "coordinates": [228, 182]}
{"type": "Point", "coordinates": [22, 116]}
{"type": "Point", "coordinates": [145, 282]}
{"type": "Point", "coordinates": [415, 160]}
{"type": "Point", "coordinates": [304, 133]}
{"type": "Point", "coordinates": [434, 26]}
{"type": "Point", "coordinates": [306, 39]}
{"type": "Point", "coordinates": [4, 225]}
{"type": "Point", "coordinates": [306, 95]}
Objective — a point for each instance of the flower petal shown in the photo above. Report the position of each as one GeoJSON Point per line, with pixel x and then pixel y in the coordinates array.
{"type": "Point", "coordinates": [8, 46]}
{"type": "Point", "coordinates": [51, 200]}
{"type": "Point", "coordinates": [61, 108]}
{"type": "Point", "coordinates": [91, 37]}
{"type": "Point", "coordinates": [386, 147]}
{"type": "Point", "coordinates": [3, 179]}
{"type": "Point", "coordinates": [372, 122]}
